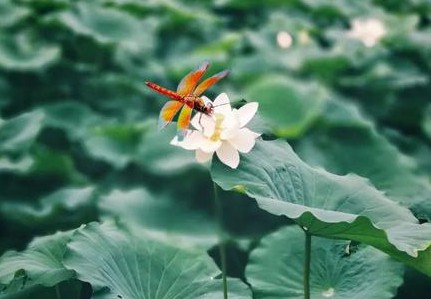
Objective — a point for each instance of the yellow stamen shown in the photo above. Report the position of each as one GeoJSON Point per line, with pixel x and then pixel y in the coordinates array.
{"type": "Point", "coordinates": [218, 128]}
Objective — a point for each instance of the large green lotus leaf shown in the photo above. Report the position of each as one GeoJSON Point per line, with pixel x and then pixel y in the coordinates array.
{"type": "Point", "coordinates": [68, 289]}
{"type": "Point", "coordinates": [420, 41]}
{"type": "Point", "coordinates": [327, 65]}
{"type": "Point", "coordinates": [43, 162]}
{"type": "Point", "coordinates": [40, 263]}
{"type": "Point", "coordinates": [22, 52]}
{"type": "Point", "coordinates": [120, 95]}
{"type": "Point", "coordinates": [141, 143]}
{"type": "Point", "coordinates": [11, 13]}
{"type": "Point", "coordinates": [343, 113]}
{"type": "Point", "coordinates": [130, 267]}
{"type": "Point", "coordinates": [162, 218]}
{"type": "Point", "coordinates": [17, 134]}
{"type": "Point", "coordinates": [276, 268]}
{"type": "Point", "coordinates": [65, 206]}
{"type": "Point", "coordinates": [73, 117]}
{"type": "Point", "coordinates": [289, 106]}
{"type": "Point", "coordinates": [116, 144]}
{"type": "Point", "coordinates": [227, 42]}
{"type": "Point", "coordinates": [269, 53]}
{"type": "Point", "coordinates": [334, 9]}
{"type": "Point", "coordinates": [160, 157]}
{"type": "Point", "coordinates": [387, 76]}
{"type": "Point", "coordinates": [328, 205]}
{"type": "Point", "coordinates": [342, 147]}
{"type": "Point", "coordinates": [426, 124]}
{"type": "Point", "coordinates": [415, 147]}
{"type": "Point", "coordinates": [252, 4]}
{"type": "Point", "coordinates": [181, 14]}
{"type": "Point", "coordinates": [21, 165]}
{"type": "Point", "coordinates": [5, 92]}
{"type": "Point", "coordinates": [105, 25]}
{"type": "Point", "coordinates": [48, 162]}
{"type": "Point", "coordinates": [400, 28]}
{"type": "Point", "coordinates": [135, 7]}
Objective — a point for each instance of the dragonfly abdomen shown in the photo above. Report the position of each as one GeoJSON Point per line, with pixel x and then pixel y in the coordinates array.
{"type": "Point", "coordinates": [173, 95]}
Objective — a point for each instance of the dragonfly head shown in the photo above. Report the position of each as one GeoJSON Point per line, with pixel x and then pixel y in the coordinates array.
{"type": "Point", "coordinates": [208, 108]}
{"type": "Point", "coordinates": [204, 106]}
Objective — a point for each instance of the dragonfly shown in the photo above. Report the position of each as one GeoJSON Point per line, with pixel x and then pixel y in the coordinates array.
{"type": "Point", "coordinates": [187, 98]}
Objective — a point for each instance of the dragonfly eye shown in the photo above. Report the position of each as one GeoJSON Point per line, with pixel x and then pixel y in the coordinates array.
{"type": "Point", "coordinates": [210, 107]}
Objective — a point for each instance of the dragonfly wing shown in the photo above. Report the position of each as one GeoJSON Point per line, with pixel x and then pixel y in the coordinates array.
{"type": "Point", "coordinates": [207, 83]}
{"type": "Point", "coordinates": [168, 112]}
{"type": "Point", "coordinates": [188, 83]}
{"type": "Point", "coordinates": [184, 121]}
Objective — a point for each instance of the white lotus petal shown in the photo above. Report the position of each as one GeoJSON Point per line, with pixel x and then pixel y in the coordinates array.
{"type": "Point", "coordinates": [205, 123]}
{"type": "Point", "coordinates": [205, 99]}
{"type": "Point", "coordinates": [230, 120]}
{"type": "Point", "coordinates": [209, 146]}
{"type": "Point", "coordinates": [247, 112]}
{"type": "Point", "coordinates": [244, 141]}
{"type": "Point", "coordinates": [202, 156]}
{"type": "Point", "coordinates": [191, 141]}
{"type": "Point", "coordinates": [228, 155]}
{"type": "Point", "coordinates": [175, 141]}
{"type": "Point", "coordinates": [208, 123]}
{"type": "Point", "coordinates": [222, 104]}
{"type": "Point", "coordinates": [230, 125]}
{"type": "Point", "coordinates": [195, 121]}
{"type": "Point", "coordinates": [229, 133]}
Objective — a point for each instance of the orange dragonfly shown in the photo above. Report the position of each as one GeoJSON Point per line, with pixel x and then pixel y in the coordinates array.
{"type": "Point", "coordinates": [187, 97]}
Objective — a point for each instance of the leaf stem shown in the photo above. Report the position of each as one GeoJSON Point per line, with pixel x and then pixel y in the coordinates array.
{"type": "Point", "coordinates": [307, 262]}
{"type": "Point", "coordinates": [57, 291]}
{"type": "Point", "coordinates": [221, 247]}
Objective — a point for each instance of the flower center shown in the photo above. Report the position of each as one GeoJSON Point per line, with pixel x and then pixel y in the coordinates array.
{"type": "Point", "coordinates": [218, 127]}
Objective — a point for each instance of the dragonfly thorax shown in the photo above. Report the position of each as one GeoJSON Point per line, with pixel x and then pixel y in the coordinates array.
{"type": "Point", "coordinates": [200, 105]}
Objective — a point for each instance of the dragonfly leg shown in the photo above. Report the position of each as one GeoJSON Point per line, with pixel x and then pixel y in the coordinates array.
{"type": "Point", "coordinates": [200, 122]}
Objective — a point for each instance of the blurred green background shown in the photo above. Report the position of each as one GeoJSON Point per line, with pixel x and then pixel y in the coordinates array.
{"type": "Point", "coordinates": [347, 83]}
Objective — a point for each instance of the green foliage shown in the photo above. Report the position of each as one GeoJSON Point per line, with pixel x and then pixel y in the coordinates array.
{"type": "Point", "coordinates": [335, 145]}
{"type": "Point", "coordinates": [41, 263]}
{"type": "Point", "coordinates": [328, 205]}
{"type": "Point", "coordinates": [134, 268]}
{"type": "Point", "coordinates": [289, 106]}
{"type": "Point", "coordinates": [338, 270]}
{"type": "Point", "coordinates": [21, 53]}
{"type": "Point", "coordinates": [161, 218]}
{"type": "Point", "coordinates": [79, 145]}
{"type": "Point", "coordinates": [18, 134]}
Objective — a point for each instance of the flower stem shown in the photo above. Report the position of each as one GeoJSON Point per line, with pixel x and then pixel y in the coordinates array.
{"type": "Point", "coordinates": [307, 261]}
{"type": "Point", "coordinates": [57, 291]}
{"type": "Point", "coordinates": [221, 247]}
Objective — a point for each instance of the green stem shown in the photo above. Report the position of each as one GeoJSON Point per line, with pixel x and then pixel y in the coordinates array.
{"type": "Point", "coordinates": [307, 261]}
{"type": "Point", "coordinates": [57, 291]}
{"type": "Point", "coordinates": [221, 247]}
